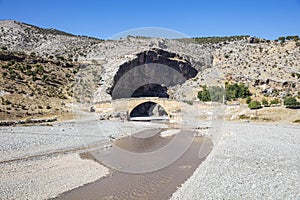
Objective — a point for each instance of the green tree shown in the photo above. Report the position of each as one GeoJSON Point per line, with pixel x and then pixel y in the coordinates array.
{"type": "Point", "coordinates": [291, 102]}
{"type": "Point", "coordinates": [204, 95]}
{"type": "Point", "coordinates": [282, 39]}
{"type": "Point", "coordinates": [254, 105]}
{"type": "Point", "coordinates": [234, 91]}
{"type": "Point", "coordinates": [213, 93]}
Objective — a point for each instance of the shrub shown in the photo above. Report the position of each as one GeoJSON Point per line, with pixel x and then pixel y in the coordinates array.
{"type": "Point", "coordinates": [236, 91]}
{"type": "Point", "coordinates": [10, 63]}
{"type": "Point", "coordinates": [3, 48]}
{"type": "Point", "coordinates": [248, 100]}
{"type": "Point", "coordinates": [28, 72]}
{"type": "Point", "coordinates": [204, 94]}
{"type": "Point", "coordinates": [34, 78]}
{"type": "Point", "coordinates": [265, 103]}
{"type": "Point", "coordinates": [282, 39]}
{"type": "Point", "coordinates": [291, 102]}
{"type": "Point", "coordinates": [274, 101]}
{"type": "Point", "coordinates": [188, 102]}
{"type": "Point", "coordinates": [32, 54]}
{"type": "Point", "coordinates": [213, 93]}
{"type": "Point", "coordinates": [13, 75]}
{"type": "Point", "coordinates": [75, 71]}
{"type": "Point", "coordinates": [254, 105]}
{"type": "Point", "coordinates": [39, 69]}
{"type": "Point", "coordinates": [244, 117]}
{"type": "Point", "coordinates": [44, 78]}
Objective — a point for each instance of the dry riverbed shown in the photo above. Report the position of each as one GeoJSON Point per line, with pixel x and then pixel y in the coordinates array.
{"type": "Point", "coordinates": [248, 161]}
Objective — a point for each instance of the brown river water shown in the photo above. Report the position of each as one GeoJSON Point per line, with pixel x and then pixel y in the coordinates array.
{"type": "Point", "coordinates": [155, 185]}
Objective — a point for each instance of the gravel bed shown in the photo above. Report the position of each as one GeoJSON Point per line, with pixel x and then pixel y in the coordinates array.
{"type": "Point", "coordinates": [24, 141]}
{"type": "Point", "coordinates": [249, 161]}
{"type": "Point", "coordinates": [43, 175]}
{"type": "Point", "coordinates": [47, 177]}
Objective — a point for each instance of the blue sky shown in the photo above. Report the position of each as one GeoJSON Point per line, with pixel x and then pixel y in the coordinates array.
{"type": "Point", "coordinates": [102, 19]}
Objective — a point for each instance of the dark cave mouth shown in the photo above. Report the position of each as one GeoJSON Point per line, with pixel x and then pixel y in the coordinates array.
{"type": "Point", "coordinates": [151, 90]}
{"type": "Point", "coordinates": [150, 74]}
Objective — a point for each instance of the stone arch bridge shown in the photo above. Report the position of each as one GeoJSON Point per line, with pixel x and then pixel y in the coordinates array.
{"type": "Point", "coordinates": [127, 105]}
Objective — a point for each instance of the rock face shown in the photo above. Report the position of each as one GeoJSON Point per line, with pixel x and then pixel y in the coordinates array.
{"type": "Point", "coordinates": [166, 76]}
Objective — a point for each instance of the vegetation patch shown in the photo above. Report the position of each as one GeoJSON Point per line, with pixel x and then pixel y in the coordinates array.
{"type": "Point", "coordinates": [254, 105]}
{"type": "Point", "coordinates": [219, 94]}
{"type": "Point", "coordinates": [291, 102]}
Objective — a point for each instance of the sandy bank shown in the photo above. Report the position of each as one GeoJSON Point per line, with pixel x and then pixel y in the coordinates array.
{"type": "Point", "coordinates": [46, 177]}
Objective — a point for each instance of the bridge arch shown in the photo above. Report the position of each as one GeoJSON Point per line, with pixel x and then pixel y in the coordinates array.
{"type": "Point", "coordinates": [170, 107]}
{"type": "Point", "coordinates": [147, 109]}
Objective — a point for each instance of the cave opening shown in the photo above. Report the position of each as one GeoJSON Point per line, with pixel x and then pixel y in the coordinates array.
{"type": "Point", "coordinates": [150, 74]}
{"type": "Point", "coordinates": [151, 90]}
{"type": "Point", "coordinates": [148, 109]}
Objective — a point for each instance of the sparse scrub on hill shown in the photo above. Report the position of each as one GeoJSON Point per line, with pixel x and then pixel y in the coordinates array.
{"type": "Point", "coordinates": [235, 91]}
{"type": "Point", "coordinates": [214, 40]}
{"type": "Point", "coordinates": [295, 75]}
{"type": "Point", "coordinates": [217, 93]}
{"type": "Point", "coordinates": [274, 102]}
{"type": "Point", "coordinates": [213, 93]}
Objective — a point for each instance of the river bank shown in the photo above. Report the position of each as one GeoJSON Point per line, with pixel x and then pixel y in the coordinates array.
{"type": "Point", "coordinates": [250, 161]}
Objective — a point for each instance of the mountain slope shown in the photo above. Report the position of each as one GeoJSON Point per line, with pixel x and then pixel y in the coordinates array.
{"type": "Point", "coordinates": [39, 66]}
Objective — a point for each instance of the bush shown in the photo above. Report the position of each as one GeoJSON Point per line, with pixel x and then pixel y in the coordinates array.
{"type": "Point", "coordinates": [248, 100]}
{"type": "Point", "coordinates": [3, 48]}
{"type": "Point", "coordinates": [34, 78]}
{"type": "Point", "coordinates": [204, 94]}
{"type": "Point", "coordinates": [236, 91]}
{"type": "Point", "coordinates": [282, 39]}
{"type": "Point", "coordinates": [213, 93]}
{"type": "Point", "coordinates": [265, 103]}
{"type": "Point", "coordinates": [6, 102]}
{"type": "Point", "coordinates": [10, 63]}
{"type": "Point", "coordinates": [254, 105]}
{"type": "Point", "coordinates": [274, 101]}
{"type": "Point", "coordinates": [39, 69]}
{"type": "Point", "coordinates": [291, 102]}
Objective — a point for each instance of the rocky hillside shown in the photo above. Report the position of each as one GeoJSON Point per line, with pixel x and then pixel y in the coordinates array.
{"type": "Point", "coordinates": [20, 37]}
{"type": "Point", "coordinates": [39, 66]}
{"type": "Point", "coordinates": [33, 86]}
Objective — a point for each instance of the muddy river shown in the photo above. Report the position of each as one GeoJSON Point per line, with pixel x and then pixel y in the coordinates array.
{"type": "Point", "coordinates": [159, 184]}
